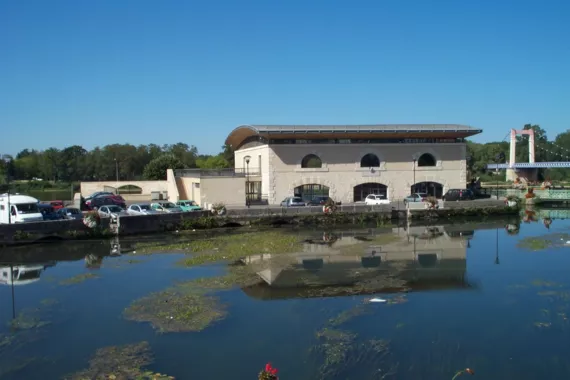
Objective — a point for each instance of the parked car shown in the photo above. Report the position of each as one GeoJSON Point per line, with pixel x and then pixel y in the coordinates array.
{"type": "Point", "coordinates": [165, 206]}
{"type": "Point", "coordinates": [292, 202]}
{"type": "Point", "coordinates": [320, 201]}
{"type": "Point", "coordinates": [188, 206]}
{"type": "Point", "coordinates": [56, 205]}
{"type": "Point", "coordinates": [48, 212]}
{"type": "Point", "coordinates": [112, 212]}
{"type": "Point", "coordinates": [417, 197]}
{"type": "Point", "coordinates": [141, 209]}
{"type": "Point", "coordinates": [70, 213]}
{"type": "Point", "coordinates": [97, 194]}
{"type": "Point", "coordinates": [376, 199]}
{"type": "Point", "coordinates": [459, 195]}
{"type": "Point", "coordinates": [107, 200]}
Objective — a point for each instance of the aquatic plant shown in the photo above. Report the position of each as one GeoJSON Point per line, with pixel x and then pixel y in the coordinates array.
{"type": "Point", "coordinates": [235, 246]}
{"type": "Point", "coordinates": [466, 371]}
{"type": "Point", "coordinates": [176, 310]}
{"type": "Point", "coordinates": [78, 279]}
{"type": "Point", "coordinates": [555, 240]}
{"type": "Point", "coordinates": [268, 373]}
{"type": "Point", "coordinates": [120, 363]}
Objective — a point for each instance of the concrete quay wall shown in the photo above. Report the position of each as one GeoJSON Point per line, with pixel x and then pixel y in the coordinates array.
{"type": "Point", "coordinates": [146, 224]}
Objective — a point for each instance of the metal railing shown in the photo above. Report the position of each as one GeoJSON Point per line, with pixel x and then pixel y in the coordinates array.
{"type": "Point", "coordinates": [225, 172]}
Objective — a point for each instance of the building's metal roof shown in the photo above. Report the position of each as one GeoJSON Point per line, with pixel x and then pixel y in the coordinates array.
{"type": "Point", "coordinates": [362, 128]}
{"type": "Point", "coordinates": [242, 132]}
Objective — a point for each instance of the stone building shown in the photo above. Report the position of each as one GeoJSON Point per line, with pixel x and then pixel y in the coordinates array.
{"type": "Point", "coordinates": [348, 162]}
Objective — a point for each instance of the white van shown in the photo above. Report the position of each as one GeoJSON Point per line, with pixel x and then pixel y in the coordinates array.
{"type": "Point", "coordinates": [20, 209]}
{"type": "Point", "coordinates": [21, 274]}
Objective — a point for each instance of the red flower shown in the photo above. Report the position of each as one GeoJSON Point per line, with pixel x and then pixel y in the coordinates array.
{"type": "Point", "coordinates": [268, 367]}
{"type": "Point", "coordinates": [273, 371]}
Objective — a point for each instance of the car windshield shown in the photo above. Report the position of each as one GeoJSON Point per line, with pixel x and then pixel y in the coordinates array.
{"type": "Point", "coordinates": [423, 195]}
{"type": "Point", "coordinates": [144, 207]}
{"type": "Point", "coordinates": [73, 211]}
{"type": "Point", "coordinates": [192, 203]}
{"type": "Point", "coordinates": [296, 200]}
{"type": "Point", "coordinates": [115, 209]}
{"type": "Point", "coordinates": [168, 205]}
{"type": "Point", "coordinates": [27, 208]}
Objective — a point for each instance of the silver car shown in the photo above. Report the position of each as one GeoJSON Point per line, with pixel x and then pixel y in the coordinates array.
{"type": "Point", "coordinates": [165, 207]}
{"type": "Point", "coordinates": [293, 202]}
{"type": "Point", "coordinates": [141, 209]}
{"type": "Point", "coordinates": [112, 212]}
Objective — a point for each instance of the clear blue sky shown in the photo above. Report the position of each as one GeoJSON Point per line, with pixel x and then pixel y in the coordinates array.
{"type": "Point", "coordinates": [116, 71]}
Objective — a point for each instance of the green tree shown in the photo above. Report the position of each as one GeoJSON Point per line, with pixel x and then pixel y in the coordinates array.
{"type": "Point", "coordinates": [212, 162]}
{"type": "Point", "coordinates": [156, 169]}
{"type": "Point", "coordinates": [228, 154]}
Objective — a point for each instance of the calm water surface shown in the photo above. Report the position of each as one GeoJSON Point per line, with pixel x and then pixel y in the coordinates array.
{"type": "Point", "coordinates": [482, 296]}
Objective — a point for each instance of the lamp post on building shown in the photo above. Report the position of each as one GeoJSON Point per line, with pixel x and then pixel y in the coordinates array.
{"type": "Point", "coordinates": [7, 160]}
{"type": "Point", "coordinates": [117, 172]}
{"type": "Point", "coordinates": [247, 200]}
{"type": "Point", "coordinates": [414, 184]}
{"type": "Point", "coordinates": [500, 157]}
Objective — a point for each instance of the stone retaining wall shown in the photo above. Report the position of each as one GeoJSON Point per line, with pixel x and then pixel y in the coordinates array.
{"type": "Point", "coordinates": [56, 229]}
{"type": "Point", "coordinates": [141, 224]}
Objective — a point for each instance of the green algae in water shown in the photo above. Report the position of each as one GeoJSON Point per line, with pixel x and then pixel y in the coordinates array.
{"type": "Point", "coordinates": [173, 310]}
{"type": "Point", "coordinates": [120, 363]}
{"type": "Point", "coordinates": [235, 247]}
{"type": "Point", "coordinates": [78, 279]}
{"type": "Point", "coordinates": [541, 243]}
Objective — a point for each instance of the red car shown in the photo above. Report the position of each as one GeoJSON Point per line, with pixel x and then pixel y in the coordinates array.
{"type": "Point", "coordinates": [105, 200]}
{"type": "Point", "coordinates": [56, 205]}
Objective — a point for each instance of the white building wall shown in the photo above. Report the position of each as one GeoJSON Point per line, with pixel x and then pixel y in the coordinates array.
{"type": "Point", "coordinates": [259, 160]}
{"type": "Point", "coordinates": [341, 171]}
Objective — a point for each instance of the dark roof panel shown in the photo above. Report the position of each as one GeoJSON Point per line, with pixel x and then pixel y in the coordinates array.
{"type": "Point", "coordinates": [239, 134]}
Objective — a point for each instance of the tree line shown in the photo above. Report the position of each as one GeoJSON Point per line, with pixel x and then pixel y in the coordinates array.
{"type": "Point", "coordinates": [129, 162]}
{"type": "Point", "coordinates": [74, 163]}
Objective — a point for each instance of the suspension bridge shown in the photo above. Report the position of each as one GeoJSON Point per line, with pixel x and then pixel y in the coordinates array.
{"type": "Point", "coordinates": [525, 169]}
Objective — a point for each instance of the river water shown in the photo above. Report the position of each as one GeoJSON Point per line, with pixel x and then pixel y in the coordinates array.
{"type": "Point", "coordinates": [490, 296]}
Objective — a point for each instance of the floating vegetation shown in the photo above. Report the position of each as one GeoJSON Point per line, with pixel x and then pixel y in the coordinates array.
{"type": "Point", "coordinates": [78, 279]}
{"type": "Point", "coordinates": [173, 310]}
{"type": "Point", "coordinates": [233, 247]}
{"type": "Point", "coordinates": [120, 363]}
{"type": "Point", "coordinates": [18, 364]}
{"type": "Point", "coordinates": [542, 324]}
{"type": "Point", "coordinates": [544, 242]}
{"type": "Point", "coordinates": [28, 320]}
{"type": "Point", "coordinates": [49, 302]}
{"type": "Point", "coordinates": [341, 353]}
{"type": "Point", "coordinates": [347, 315]}
{"type": "Point", "coordinates": [241, 276]}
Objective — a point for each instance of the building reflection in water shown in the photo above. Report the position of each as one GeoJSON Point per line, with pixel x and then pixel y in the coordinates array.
{"type": "Point", "coordinates": [412, 258]}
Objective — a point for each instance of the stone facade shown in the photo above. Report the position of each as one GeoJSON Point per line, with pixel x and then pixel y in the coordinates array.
{"type": "Point", "coordinates": [281, 171]}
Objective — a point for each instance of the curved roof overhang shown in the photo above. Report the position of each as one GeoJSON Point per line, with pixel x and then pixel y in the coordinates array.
{"type": "Point", "coordinates": [241, 133]}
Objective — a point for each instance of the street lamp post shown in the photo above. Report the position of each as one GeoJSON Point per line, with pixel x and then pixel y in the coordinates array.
{"type": "Point", "coordinates": [117, 171]}
{"type": "Point", "coordinates": [7, 159]}
{"type": "Point", "coordinates": [414, 184]}
{"type": "Point", "coordinates": [247, 200]}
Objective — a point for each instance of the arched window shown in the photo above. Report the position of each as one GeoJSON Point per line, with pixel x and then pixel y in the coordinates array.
{"type": "Point", "coordinates": [311, 161]}
{"type": "Point", "coordinates": [370, 161]}
{"type": "Point", "coordinates": [426, 159]}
